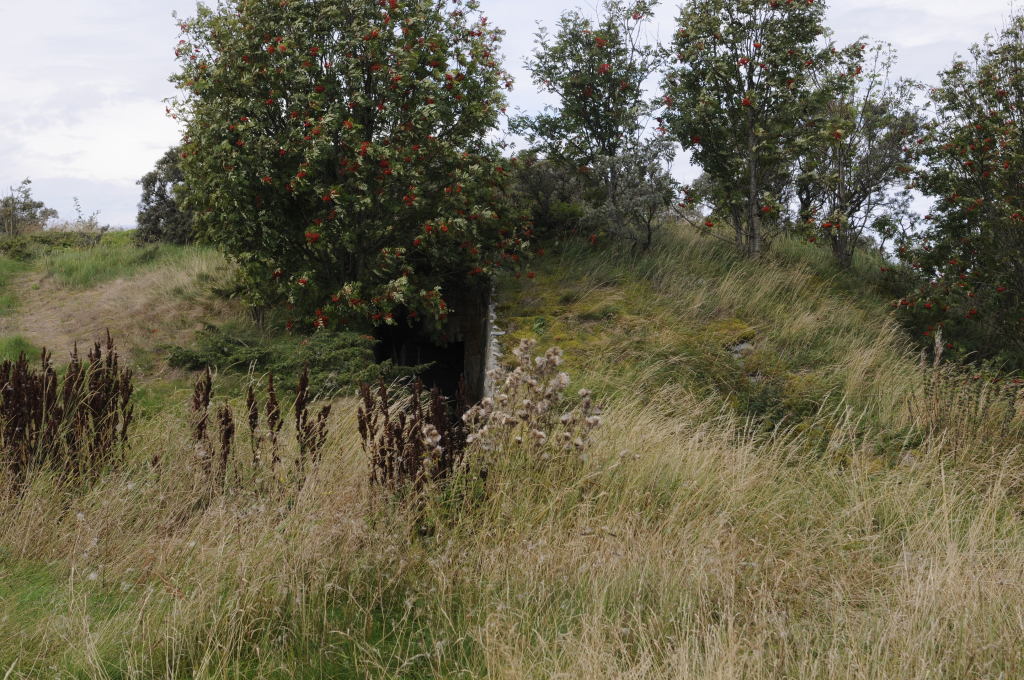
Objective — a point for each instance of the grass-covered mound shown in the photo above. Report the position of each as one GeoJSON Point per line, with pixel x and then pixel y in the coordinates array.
{"type": "Point", "coordinates": [816, 505]}
{"type": "Point", "coordinates": [787, 341]}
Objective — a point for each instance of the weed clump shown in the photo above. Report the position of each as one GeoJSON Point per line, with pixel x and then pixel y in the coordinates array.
{"type": "Point", "coordinates": [531, 409]}
{"type": "Point", "coordinates": [215, 451]}
{"type": "Point", "coordinates": [411, 439]}
{"type": "Point", "coordinates": [415, 439]}
{"type": "Point", "coordinates": [73, 424]}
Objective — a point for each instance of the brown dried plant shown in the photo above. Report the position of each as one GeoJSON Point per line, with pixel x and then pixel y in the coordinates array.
{"type": "Point", "coordinates": [274, 423]}
{"type": "Point", "coordinates": [310, 432]}
{"type": "Point", "coordinates": [226, 420]}
{"type": "Point", "coordinates": [216, 460]}
{"type": "Point", "coordinates": [252, 408]}
{"type": "Point", "coordinates": [201, 396]}
{"type": "Point", "coordinates": [412, 437]}
{"type": "Point", "coordinates": [530, 409]}
{"type": "Point", "coordinates": [74, 424]}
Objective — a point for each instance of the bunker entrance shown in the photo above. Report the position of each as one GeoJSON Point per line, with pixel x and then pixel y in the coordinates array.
{"type": "Point", "coordinates": [460, 354]}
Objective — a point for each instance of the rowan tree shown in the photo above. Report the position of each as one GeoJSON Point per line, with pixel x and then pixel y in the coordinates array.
{"type": "Point", "coordinates": [854, 176]}
{"type": "Point", "coordinates": [596, 67]}
{"type": "Point", "coordinates": [740, 84]}
{"type": "Point", "coordinates": [599, 129]}
{"type": "Point", "coordinates": [971, 253]}
{"type": "Point", "coordinates": [337, 150]}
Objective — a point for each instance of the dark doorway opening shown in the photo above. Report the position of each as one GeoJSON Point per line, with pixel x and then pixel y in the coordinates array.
{"type": "Point", "coordinates": [460, 355]}
{"type": "Point", "coordinates": [408, 346]}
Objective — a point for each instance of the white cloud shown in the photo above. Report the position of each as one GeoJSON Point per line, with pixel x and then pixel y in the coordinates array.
{"type": "Point", "coordinates": [82, 107]}
{"type": "Point", "coordinates": [82, 111]}
{"type": "Point", "coordinates": [114, 142]}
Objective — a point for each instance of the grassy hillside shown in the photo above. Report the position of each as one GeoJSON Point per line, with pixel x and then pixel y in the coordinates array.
{"type": "Point", "coordinates": [147, 296]}
{"type": "Point", "coordinates": [786, 343]}
{"type": "Point", "coordinates": [779, 489]}
{"type": "Point", "coordinates": [151, 299]}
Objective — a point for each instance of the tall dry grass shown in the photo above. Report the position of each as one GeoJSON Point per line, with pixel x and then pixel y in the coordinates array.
{"type": "Point", "coordinates": [680, 548]}
{"type": "Point", "coordinates": [687, 541]}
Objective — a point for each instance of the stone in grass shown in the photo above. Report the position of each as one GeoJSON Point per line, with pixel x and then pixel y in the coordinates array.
{"type": "Point", "coordinates": [742, 350]}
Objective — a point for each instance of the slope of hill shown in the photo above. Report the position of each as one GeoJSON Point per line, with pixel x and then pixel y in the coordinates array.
{"type": "Point", "coordinates": [146, 296]}
{"type": "Point", "coordinates": [786, 342]}
{"type": "Point", "coordinates": [779, 488]}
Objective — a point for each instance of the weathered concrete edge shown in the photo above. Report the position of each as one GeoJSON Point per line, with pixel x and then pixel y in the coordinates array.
{"type": "Point", "coordinates": [492, 352]}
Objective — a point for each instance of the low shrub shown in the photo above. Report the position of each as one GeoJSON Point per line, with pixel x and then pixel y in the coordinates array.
{"type": "Point", "coordinates": [40, 243]}
{"type": "Point", "coordinates": [552, 194]}
{"type": "Point", "coordinates": [627, 196]}
{"type": "Point", "coordinates": [632, 192]}
{"type": "Point", "coordinates": [335, 361]}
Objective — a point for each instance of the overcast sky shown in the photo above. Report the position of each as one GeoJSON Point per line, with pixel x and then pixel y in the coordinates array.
{"type": "Point", "coordinates": [82, 110]}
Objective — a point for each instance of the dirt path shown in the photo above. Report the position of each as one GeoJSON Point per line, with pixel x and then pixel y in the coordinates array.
{"type": "Point", "coordinates": [142, 312]}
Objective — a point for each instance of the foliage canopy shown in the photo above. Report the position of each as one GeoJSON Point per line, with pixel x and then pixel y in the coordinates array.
{"type": "Point", "coordinates": [854, 176]}
{"type": "Point", "coordinates": [160, 217]}
{"type": "Point", "coordinates": [971, 253]}
{"type": "Point", "coordinates": [740, 87]}
{"type": "Point", "coordinates": [338, 152]}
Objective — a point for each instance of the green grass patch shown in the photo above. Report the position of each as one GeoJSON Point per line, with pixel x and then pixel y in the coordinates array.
{"type": "Point", "coordinates": [869, 278]}
{"type": "Point", "coordinates": [14, 345]}
{"type": "Point", "coordinates": [155, 397]}
{"type": "Point", "coordinates": [30, 592]}
{"type": "Point", "coordinates": [88, 267]}
{"type": "Point", "coordinates": [679, 313]}
{"type": "Point", "coordinates": [9, 268]}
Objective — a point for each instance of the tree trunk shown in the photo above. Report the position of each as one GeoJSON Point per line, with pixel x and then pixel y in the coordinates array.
{"type": "Point", "coordinates": [738, 222]}
{"type": "Point", "coordinates": [755, 247]}
{"type": "Point", "coordinates": [752, 241]}
{"type": "Point", "coordinates": [842, 249]}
